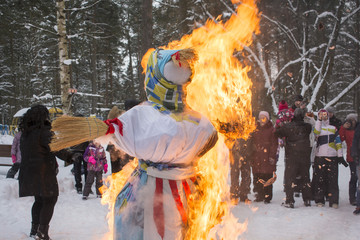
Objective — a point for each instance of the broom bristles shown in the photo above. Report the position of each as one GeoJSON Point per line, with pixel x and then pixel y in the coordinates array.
{"type": "Point", "coordinates": [71, 131]}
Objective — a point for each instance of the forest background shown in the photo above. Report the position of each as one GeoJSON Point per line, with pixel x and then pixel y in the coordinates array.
{"type": "Point", "coordinates": [95, 47]}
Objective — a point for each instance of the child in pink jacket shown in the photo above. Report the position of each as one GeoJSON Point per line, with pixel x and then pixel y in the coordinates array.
{"type": "Point", "coordinates": [96, 164]}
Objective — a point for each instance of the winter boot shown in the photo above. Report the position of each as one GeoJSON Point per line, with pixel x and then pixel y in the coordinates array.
{"type": "Point", "coordinates": [357, 211]}
{"type": "Point", "coordinates": [42, 233]}
{"type": "Point", "coordinates": [288, 204]}
{"type": "Point", "coordinates": [79, 190]}
{"type": "Point", "coordinates": [307, 203]}
{"type": "Point", "coordinates": [33, 231]}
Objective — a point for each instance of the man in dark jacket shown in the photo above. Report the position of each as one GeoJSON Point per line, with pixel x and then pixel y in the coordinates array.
{"type": "Point", "coordinates": [298, 100]}
{"type": "Point", "coordinates": [80, 165]}
{"type": "Point", "coordinates": [355, 153]}
{"type": "Point", "coordinates": [297, 157]}
{"type": "Point", "coordinates": [334, 121]}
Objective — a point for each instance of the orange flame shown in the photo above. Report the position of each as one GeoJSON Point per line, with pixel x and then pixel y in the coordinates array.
{"type": "Point", "coordinates": [221, 90]}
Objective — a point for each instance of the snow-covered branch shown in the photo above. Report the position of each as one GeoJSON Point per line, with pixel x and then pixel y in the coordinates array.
{"type": "Point", "coordinates": [165, 4]}
{"type": "Point", "coordinates": [292, 6]}
{"type": "Point", "coordinates": [286, 30]}
{"type": "Point", "coordinates": [323, 15]}
{"type": "Point", "coordinates": [351, 37]}
{"type": "Point", "coordinates": [344, 19]}
{"type": "Point", "coordinates": [83, 8]}
{"type": "Point", "coordinates": [88, 94]}
{"type": "Point", "coordinates": [29, 25]}
{"type": "Point", "coordinates": [343, 92]}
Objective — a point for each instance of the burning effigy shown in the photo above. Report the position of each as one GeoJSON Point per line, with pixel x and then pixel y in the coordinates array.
{"type": "Point", "coordinates": [199, 95]}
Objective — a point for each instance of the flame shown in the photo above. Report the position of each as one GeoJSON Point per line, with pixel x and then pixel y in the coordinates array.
{"type": "Point", "coordinates": [221, 90]}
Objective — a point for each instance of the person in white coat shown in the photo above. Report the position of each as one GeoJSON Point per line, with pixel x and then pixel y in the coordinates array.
{"type": "Point", "coordinates": [327, 157]}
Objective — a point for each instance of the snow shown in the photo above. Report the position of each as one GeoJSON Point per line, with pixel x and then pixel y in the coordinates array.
{"type": "Point", "coordinates": [77, 219]}
{"type": "Point", "coordinates": [6, 139]}
{"type": "Point", "coordinates": [67, 62]}
{"type": "Point", "coordinates": [21, 112]}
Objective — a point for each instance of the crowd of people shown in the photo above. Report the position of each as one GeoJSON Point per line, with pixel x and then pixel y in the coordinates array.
{"type": "Point", "coordinates": [309, 142]}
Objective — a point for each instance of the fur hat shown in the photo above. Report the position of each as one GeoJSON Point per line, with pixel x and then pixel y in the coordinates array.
{"type": "Point", "coordinates": [352, 116]}
{"type": "Point", "coordinates": [114, 112]}
{"type": "Point", "coordinates": [265, 114]}
{"type": "Point", "coordinates": [298, 98]}
{"type": "Point", "coordinates": [129, 103]}
{"type": "Point", "coordinates": [299, 113]}
{"type": "Point", "coordinates": [283, 105]}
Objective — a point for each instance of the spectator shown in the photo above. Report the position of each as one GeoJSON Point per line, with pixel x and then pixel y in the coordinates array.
{"type": "Point", "coordinates": [130, 103]}
{"type": "Point", "coordinates": [119, 158]}
{"type": "Point", "coordinates": [262, 154]}
{"type": "Point", "coordinates": [298, 103]}
{"type": "Point", "coordinates": [239, 164]}
{"type": "Point", "coordinates": [328, 155]}
{"type": "Point", "coordinates": [284, 115]}
{"type": "Point", "coordinates": [309, 118]}
{"type": "Point", "coordinates": [96, 163]}
{"type": "Point", "coordinates": [15, 156]}
{"type": "Point", "coordinates": [355, 154]}
{"type": "Point", "coordinates": [38, 169]}
{"type": "Point", "coordinates": [346, 133]}
{"type": "Point", "coordinates": [297, 157]}
{"type": "Point", "coordinates": [80, 166]}
{"type": "Point", "coordinates": [334, 121]}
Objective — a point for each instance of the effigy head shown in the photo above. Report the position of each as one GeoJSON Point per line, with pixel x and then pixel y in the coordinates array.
{"type": "Point", "coordinates": [167, 71]}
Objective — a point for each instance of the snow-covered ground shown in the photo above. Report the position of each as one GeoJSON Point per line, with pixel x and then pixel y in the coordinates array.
{"type": "Point", "coordinates": [75, 219]}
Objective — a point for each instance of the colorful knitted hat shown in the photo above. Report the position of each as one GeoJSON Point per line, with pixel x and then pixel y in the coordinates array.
{"type": "Point", "coordinates": [283, 105]}
{"type": "Point", "coordinates": [166, 73]}
{"type": "Point", "coordinates": [322, 110]}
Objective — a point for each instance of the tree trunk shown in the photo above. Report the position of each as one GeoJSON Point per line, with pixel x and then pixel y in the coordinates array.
{"type": "Point", "coordinates": [93, 76]}
{"type": "Point", "coordinates": [63, 55]}
{"type": "Point", "coordinates": [146, 38]}
{"type": "Point", "coordinates": [111, 95]}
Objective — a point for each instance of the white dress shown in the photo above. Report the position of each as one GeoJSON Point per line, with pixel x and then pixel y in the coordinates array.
{"type": "Point", "coordinates": [153, 203]}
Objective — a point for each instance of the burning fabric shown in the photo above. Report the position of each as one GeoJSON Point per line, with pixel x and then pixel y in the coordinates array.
{"type": "Point", "coordinates": [167, 138]}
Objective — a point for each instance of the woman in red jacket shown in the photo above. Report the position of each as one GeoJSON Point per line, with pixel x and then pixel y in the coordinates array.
{"type": "Point", "coordinates": [346, 133]}
{"type": "Point", "coordinates": [262, 154]}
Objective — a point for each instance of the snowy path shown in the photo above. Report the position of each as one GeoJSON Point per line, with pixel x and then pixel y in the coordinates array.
{"type": "Point", "coordinates": [75, 219]}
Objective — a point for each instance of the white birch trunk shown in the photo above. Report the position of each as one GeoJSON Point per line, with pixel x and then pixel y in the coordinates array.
{"type": "Point", "coordinates": [63, 55]}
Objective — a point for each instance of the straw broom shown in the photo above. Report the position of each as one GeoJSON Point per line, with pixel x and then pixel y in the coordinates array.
{"type": "Point", "coordinates": [70, 131]}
